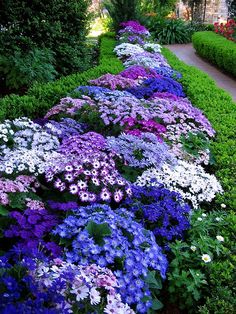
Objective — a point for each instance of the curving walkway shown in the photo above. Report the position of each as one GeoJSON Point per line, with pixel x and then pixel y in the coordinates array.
{"type": "Point", "coordinates": [187, 54]}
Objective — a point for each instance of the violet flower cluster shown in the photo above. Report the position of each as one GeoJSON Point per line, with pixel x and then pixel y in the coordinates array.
{"type": "Point", "coordinates": [141, 152]}
{"type": "Point", "coordinates": [30, 229]}
{"type": "Point", "coordinates": [137, 127]}
{"type": "Point", "coordinates": [120, 240]}
{"type": "Point", "coordinates": [91, 178]}
{"type": "Point", "coordinates": [114, 82]}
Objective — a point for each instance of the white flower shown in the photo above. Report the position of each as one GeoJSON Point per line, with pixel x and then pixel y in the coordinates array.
{"type": "Point", "coordinates": [206, 258]}
{"type": "Point", "coordinates": [204, 215]}
{"type": "Point", "coordinates": [218, 219]}
{"type": "Point", "coordinates": [223, 206]}
{"type": "Point", "coordinates": [220, 238]}
{"type": "Point", "coordinates": [94, 296]}
{"type": "Point", "coordinates": [80, 292]}
{"type": "Point", "coordinates": [199, 218]}
{"type": "Point", "coordinates": [193, 248]}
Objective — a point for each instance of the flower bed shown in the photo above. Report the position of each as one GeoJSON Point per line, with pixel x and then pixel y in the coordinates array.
{"type": "Point", "coordinates": [217, 50]}
{"type": "Point", "coordinates": [98, 195]}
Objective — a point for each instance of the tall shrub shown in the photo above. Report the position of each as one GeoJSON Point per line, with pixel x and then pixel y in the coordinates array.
{"type": "Point", "coordinates": [58, 26]}
{"type": "Point", "coordinates": [121, 10]}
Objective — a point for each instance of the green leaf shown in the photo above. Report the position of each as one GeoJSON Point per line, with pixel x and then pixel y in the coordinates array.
{"type": "Point", "coordinates": [153, 281]}
{"type": "Point", "coordinates": [3, 211]}
{"type": "Point", "coordinates": [156, 305]}
{"type": "Point", "coordinates": [98, 231]}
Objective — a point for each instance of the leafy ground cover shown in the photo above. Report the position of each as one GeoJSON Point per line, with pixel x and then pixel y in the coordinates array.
{"type": "Point", "coordinates": [108, 188]}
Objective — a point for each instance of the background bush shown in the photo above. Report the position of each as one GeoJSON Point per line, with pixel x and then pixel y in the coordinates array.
{"type": "Point", "coordinates": [41, 97]}
{"type": "Point", "coordinates": [220, 109]}
{"type": "Point", "coordinates": [216, 49]}
{"type": "Point", "coordinates": [60, 26]}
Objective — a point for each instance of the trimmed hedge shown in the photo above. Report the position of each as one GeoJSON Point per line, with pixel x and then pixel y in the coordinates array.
{"type": "Point", "coordinates": [41, 97]}
{"type": "Point", "coordinates": [220, 109]}
{"type": "Point", "coordinates": [216, 49]}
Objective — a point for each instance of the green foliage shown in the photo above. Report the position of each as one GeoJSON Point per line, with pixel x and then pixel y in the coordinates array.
{"type": "Point", "coordinates": [190, 279]}
{"type": "Point", "coordinates": [193, 143]}
{"type": "Point", "coordinates": [42, 97]}
{"type": "Point", "coordinates": [161, 7]}
{"type": "Point", "coordinates": [60, 26]}
{"type": "Point", "coordinates": [21, 69]}
{"type": "Point", "coordinates": [220, 109]}
{"type": "Point", "coordinates": [98, 231]}
{"type": "Point", "coordinates": [121, 11]}
{"type": "Point", "coordinates": [216, 49]}
{"type": "Point", "coordinates": [171, 31]}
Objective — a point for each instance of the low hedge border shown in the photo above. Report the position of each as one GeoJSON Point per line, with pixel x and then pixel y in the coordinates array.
{"type": "Point", "coordinates": [220, 109]}
{"type": "Point", "coordinates": [216, 49]}
{"type": "Point", "coordinates": [41, 97]}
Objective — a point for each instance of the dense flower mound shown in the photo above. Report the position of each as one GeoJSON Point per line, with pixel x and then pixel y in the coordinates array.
{"type": "Point", "coordinates": [65, 128]}
{"type": "Point", "coordinates": [160, 210]}
{"type": "Point", "coordinates": [138, 72]}
{"type": "Point", "coordinates": [114, 82]}
{"type": "Point", "coordinates": [102, 93]}
{"type": "Point", "coordinates": [69, 106]}
{"type": "Point", "coordinates": [146, 59]}
{"type": "Point", "coordinates": [99, 234]}
{"type": "Point", "coordinates": [126, 50]}
{"type": "Point", "coordinates": [94, 195]}
{"type": "Point", "coordinates": [57, 287]}
{"type": "Point", "coordinates": [141, 152]}
{"type": "Point", "coordinates": [189, 180]}
{"type": "Point", "coordinates": [90, 177]}
{"type": "Point", "coordinates": [138, 127]}
{"type": "Point", "coordinates": [158, 84]}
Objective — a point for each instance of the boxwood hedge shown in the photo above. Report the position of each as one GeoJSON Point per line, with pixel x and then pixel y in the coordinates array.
{"type": "Point", "coordinates": [220, 109]}
{"type": "Point", "coordinates": [216, 49]}
{"type": "Point", "coordinates": [41, 97]}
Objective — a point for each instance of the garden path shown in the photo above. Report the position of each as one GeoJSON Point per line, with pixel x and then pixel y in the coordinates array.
{"type": "Point", "coordinates": [186, 53]}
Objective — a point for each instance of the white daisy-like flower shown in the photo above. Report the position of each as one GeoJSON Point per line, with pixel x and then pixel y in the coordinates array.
{"type": "Point", "coordinates": [206, 258]}
{"type": "Point", "coordinates": [193, 248]}
{"type": "Point", "coordinates": [220, 238]}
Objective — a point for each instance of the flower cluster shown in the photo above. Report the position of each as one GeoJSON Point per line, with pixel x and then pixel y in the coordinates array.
{"type": "Point", "coordinates": [146, 59]}
{"type": "Point", "coordinates": [114, 82]}
{"type": "Point", "coordinates": [151, 47]}
{"type": "Point", "coordinates": [161, 211]}
{"type": "Point", "coordinates": [125, 50]}
{"type": "Point", "coordinates": [69, 106]}
{"type": "Point", "coordinates": [99, 234]}
{"type": "Point", "coordinates": [137, 127]}
{"type": "Point", "coordinates": [65, 128]}
{"type": "Point", "coordinates": [31, 227]}
{"type": "Point", "coordinates": [138, 72]}
{"type": "Point", "coordinates": [134, 27]}
{"type": "Point", "coordinates": [189, 180]}
{"type": "Point", "coordinates": [85, 144]}
{"type": "Point", "coordinates": [141, 152]}
{"type": "Point", "coordinates": [90, 286]}
{"type": "Point", "coordinates": [90, 177]}
{"type": "Point", "coordinates": [168, 72]}
{"type": "Point", "coordinates": [228, 29]}
{"type": "Point", "coordinates": [157, 84]}
{"type": "Point", "coordinates": [20, 184]}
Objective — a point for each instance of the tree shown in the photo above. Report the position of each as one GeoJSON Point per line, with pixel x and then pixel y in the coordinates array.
{"type": "Point", "coordinates": [231, 4]}
{"type": "Point", "coordinates": [122, 10]}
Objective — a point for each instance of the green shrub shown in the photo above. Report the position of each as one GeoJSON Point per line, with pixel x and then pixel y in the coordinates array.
{"type": "Point", "coordinates": [220, 109]}
{"type": "Point", "coordinates": [121, 11]}
{"type": "Point", "coordinates": [60, 26]}
{"type": "Point", "coordinates": [216, 49]}
{"type": "Point", "coordinates": [22, 69]}
{"type": "Point", "coordinates": [171, 31]}
{"type": "Point", "coordinates": [41, 97]}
